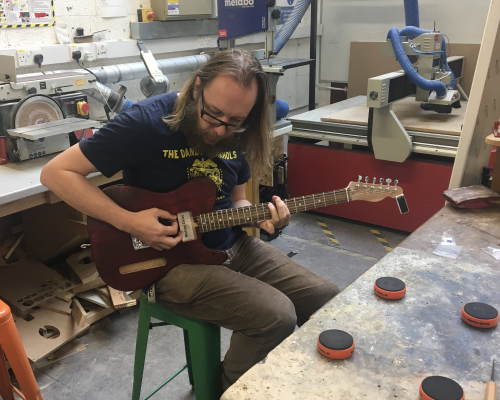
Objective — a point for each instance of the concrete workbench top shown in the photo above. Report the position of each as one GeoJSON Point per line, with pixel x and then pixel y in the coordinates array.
{"type": "Point", "coordinates": [398, 343]}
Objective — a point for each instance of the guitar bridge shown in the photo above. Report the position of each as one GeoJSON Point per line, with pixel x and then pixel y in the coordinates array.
{"type": "Point", "coordinates": [138, 243]}
{"type": "Point", "coordinates": [187, 225]}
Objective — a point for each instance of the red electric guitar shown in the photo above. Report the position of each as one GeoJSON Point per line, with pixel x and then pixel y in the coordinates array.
{"type": "Point", "coordinates": [124, 263]}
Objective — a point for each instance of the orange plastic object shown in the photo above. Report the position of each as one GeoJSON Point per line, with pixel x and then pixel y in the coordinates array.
{"type": "Point", "coordinates": [338, 353]}
{"type": "Point", "coordinates": [5, 385]}
{"type": "Point", "coordinates": [389, 294]}
{"type": "Point", "coordinates": [424, 396]}
{"type": "Point", "coordinates": [14, 350]}
{"type": "Point", "coordinates": [479, 322]}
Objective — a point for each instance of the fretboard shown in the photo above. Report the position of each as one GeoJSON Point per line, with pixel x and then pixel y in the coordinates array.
{"type": "Point", "coordinates": [258, 212]}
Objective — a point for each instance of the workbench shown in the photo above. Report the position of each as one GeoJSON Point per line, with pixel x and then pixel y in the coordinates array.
{"type": "Point", "coordinates": [398, 343]}
{"type": "Point", "coordinates": [21, 189]}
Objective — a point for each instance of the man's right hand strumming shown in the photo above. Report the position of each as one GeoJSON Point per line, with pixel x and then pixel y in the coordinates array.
{"type": "Point", "coordinates": [146, 227]}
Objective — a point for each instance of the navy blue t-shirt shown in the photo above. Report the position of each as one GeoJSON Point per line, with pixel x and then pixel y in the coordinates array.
{"type": "Point", "coordinates": [153, 157]}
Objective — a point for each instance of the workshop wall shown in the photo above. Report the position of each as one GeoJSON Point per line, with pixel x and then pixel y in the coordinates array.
{"type": "Point", "coordinates": [345, 21]}
{"type": "Point", "coordinates": [292, 87]}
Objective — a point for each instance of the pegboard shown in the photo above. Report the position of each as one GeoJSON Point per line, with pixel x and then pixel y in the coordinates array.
{"type": "Point", "coordinates": [483, 108]}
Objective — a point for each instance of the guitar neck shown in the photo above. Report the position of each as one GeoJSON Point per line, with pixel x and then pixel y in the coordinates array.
{"type": "Point", "coordinates": [258, 212]}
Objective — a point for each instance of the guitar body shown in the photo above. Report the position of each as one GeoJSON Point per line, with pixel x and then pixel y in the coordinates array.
{"type": "Point", "coordinates": [113, 249]}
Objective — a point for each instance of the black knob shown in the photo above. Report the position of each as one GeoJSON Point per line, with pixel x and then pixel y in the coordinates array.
{"type": "Point", "coordinates": [32, 90]}
{"type": "Point", "coordinates": [276, 14]}
{"type": "Point", "coordinates": [79, 31]}
{"type": "Point", "coordinates": [271, 3]}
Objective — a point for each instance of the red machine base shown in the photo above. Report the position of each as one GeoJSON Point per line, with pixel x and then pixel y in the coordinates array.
{"type": "Point", "coordinates": [314, 169]}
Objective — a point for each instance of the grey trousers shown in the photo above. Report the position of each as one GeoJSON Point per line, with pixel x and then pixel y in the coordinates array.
{"type": "Point", "coordinates": [259, 293]}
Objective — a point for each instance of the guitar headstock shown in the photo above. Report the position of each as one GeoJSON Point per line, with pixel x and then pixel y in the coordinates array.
{"type": "Point", "coordinates": [374, 191]}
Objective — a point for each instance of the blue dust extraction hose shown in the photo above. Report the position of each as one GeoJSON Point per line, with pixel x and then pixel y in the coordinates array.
{"type": "Point", "coordinates": [290, 24]}
{"type": "Point", "coordinates": [412, 19]}
{"type": "Point", "coordinates": [439, 87]}
{"type": "Point", "coordinates": [411, 13]}
{"type": "Point", "coordinates": [412, 32]}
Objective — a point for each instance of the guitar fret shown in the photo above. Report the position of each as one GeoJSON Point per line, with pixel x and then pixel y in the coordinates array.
{"type": "Point", "coordinates": [324, 200]}
{"type": "Point", "coordinates": [347, 195]}
{"type": "Point", "coordinates": [239, 219]}
{"type": "Point", "coordinates": [295, 202]}
{"type": "Point", "coordinates": [250, 212]}
{"type": "Point", "coordinates": [335, 197]}
{"type": "Point", "coordinates": [314, 202]}
{"type": "Point", "coordinates": [263, 211]}
{"type": "Point", "coordinates": [305, 207]}
{"type": "Point", "coordinates": [232, 215]}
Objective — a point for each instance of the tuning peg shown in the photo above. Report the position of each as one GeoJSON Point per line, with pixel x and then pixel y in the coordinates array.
{"type": "Point", "coordinates": [359, 178]}
{"type": "Point", "coordinates": [374, 181]}
{"type": "Point", "coordinates": [388, 181]}
{"type": "Point", "coordinates": [396, 182]}
{"type": "Point", "coordinates": [381, 181]}
{"type": "Point", "coordinates": [366, 179]}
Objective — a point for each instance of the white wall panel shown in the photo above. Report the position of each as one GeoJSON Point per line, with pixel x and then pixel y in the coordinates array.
{"type": "Point", "coordinates": [345, 21]}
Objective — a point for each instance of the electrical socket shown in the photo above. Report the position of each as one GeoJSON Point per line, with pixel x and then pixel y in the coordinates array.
{"type": "Point", "coordinates": [88, 55]}
{"type": "Point", "coordinates": [205, 41]}
{"type": "Point", "coordinates": [101, 49]}
{"type": "Point", "coordinates": [72, 48]}
{"type": "Point", "coordinates": [25, 56]}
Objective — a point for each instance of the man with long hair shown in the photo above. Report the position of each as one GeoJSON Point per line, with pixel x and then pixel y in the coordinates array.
{"type": "Point", "coordinates": [218, 126]}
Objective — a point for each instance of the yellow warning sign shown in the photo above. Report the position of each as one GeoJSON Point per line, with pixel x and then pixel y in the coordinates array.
{"type": "Point", "coordinates": [26, 14]}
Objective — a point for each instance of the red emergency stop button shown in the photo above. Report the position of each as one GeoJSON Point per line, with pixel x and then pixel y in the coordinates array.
{"type": "Point", "coordinates": [82, 108]}
{"type": "Point", "coordinates": [151, 15]}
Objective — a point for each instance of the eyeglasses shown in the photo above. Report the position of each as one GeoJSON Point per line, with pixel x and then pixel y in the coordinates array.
{"type": "Point", "coordinates": [216, 122]}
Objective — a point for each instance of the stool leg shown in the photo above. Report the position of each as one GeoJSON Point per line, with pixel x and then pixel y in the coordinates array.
{"type": "Point", "coordinates": [188, 357]}
{"type": "Point", "coordinates": [140, 348]}
{"type": "Point", "coordinates": [14, 350]}
{"type": "Point", "coordinates": [6, 392]}
{"type": "Point", "coordinates": [204, 345]}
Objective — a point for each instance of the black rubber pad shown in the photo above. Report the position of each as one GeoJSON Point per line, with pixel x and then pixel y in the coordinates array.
{"type": "Point", "coordinates": [481, 310]}
{"type": "Point", "coordinates": [441, 388]}
{"type": "Point", "coordinates": [390, 284]}
{"type": "Point", "coordinates": [336, 340]}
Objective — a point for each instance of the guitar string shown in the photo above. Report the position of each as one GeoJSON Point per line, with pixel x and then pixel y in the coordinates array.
{"type": "Point", "coordinates": [310, 201]}
{"type": "Point", "coordinates": [361, 193]}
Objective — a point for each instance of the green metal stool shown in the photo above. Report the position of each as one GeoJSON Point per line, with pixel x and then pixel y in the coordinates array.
{"type": "Point", "coordinates": [202, 344]}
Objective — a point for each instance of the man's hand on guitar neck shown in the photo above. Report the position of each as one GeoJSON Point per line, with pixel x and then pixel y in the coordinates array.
{"type": "Point", "coordinates": [146, 227]}
{"type": "Point", "coordinates": [280, 216]}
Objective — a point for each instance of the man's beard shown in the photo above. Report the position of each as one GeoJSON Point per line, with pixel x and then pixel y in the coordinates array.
{"type": "Point", "coordinates": [195, 134]}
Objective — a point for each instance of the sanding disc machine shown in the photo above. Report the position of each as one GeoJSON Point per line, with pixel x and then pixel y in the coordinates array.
{"type": "Point", "coordinates": [38, 125]}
